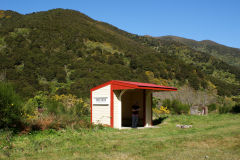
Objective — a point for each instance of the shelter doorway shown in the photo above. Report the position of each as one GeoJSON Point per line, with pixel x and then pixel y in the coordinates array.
{"type": "Point", "coordinates": [129, 98]}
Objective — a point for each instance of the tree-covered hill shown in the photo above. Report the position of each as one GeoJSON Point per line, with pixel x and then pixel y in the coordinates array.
{"type": "Point", "coordinates": [227, 54]}
{"type": "Point", "coordinates": [65, 51]}
{"type": "Point", "coordinates": [220, 72]}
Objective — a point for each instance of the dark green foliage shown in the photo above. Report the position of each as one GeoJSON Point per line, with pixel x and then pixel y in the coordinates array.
{"type": "Point", "coordinates": [76, 116]}
{"type": "Point", "coordinates": [55, 112]}
{"type": "Point", "coordinates": [201, 64]}
{"type": "Point", "coordinates": [175, 106]}
{"type": "Point", "coordinates": [225, 88]}
{"type": "Point", "coordinates": [55, 39]}
{"type": "Point", "coordinates": [76, 52]}
{"type": "Point", "coordinates": [236, 99]}
{"type": "Point", "coordinates": [78, 110]}
{"type": "Point", "coordinates": [236, 109]}
{"type": "Point", "coordinates": [154, 102]}
{"type": "Point", "coordinates": [10, 107]}
{"type": "Point", "coordinates": [227, 54]}
{"type": "Point", "coordinates": [212, 107]}
{"type": "Point", "coordinates": [54, 107]}
{"type": "Point", "coordinates": [224, 109]}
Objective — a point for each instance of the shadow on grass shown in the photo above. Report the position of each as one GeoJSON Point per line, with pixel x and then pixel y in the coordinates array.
{"type": "Point", "coordinates": [159, 120]}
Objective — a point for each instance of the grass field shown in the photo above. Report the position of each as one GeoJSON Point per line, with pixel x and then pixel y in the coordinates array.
{"type": "Point", "coordinates": [213, 137]}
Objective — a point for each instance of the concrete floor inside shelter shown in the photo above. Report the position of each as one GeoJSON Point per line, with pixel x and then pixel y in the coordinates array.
{"type": "Point", "coordinates": [140, 127]}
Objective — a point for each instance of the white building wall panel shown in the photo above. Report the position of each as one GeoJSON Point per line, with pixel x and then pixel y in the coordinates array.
{"type": "Point", "coordinates": [117, 111]}
{"type": "Point", "coordinates": [148, 108]}
{"type": "Point", "coordinates": [101, 115]}
{"type": "Point", "coordinates": [101, 112]}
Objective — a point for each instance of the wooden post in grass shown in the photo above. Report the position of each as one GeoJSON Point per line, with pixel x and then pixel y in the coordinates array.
{"type": "Point", "coordinates": [205, 110]}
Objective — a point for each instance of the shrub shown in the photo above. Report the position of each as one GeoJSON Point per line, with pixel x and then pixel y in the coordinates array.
{"type": "Point", "coordinates": [58, 111]}
{"type": "Point", "coordinates": [226, 104]}
{"type": "Point", "coordinates": [70, 104]}
{"type": "Point", "coordinates": [43, 122]}
{"type": "Point", "coordinates": [176, 106]}
{"type": "Point", "coordinates": [34, 105]}
{"type": "Point", "coordinates": [155, 102]}
{"type": "Point", "coordinates": [10, 107]}
{"type": "Point", "coordinates": [30, 107]}
{"type": "Point", "coordinates": [158, 111]}
{"type": "Point", "coordinates": [69, 111]}
{"type": "Point", "coordinates": [54, 107]}
{"type": "Point", "coordinates": [167, 103]}
{"type": "Point", "coordinates": [224, 109]}
{"type": "Point", "coordinates": [212, 107]}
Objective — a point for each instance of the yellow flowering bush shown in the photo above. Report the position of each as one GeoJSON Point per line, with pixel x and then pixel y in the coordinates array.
{"type": "Point", "coordinates": [73, 104]}
{"type": "Point", "coordinates": [32, 116]}
{"type": "Point", "coordinates": [67, 100]}
{"type": "Point", "coordinates": [55, 111]}
{"type": "Point", "coordinates": [32, 106]}
{"type": "Point", "coordinates": [161, 110]}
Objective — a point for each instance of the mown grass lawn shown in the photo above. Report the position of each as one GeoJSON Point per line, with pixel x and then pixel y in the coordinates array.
{"type": "Point", "coordinates": [211, 137]}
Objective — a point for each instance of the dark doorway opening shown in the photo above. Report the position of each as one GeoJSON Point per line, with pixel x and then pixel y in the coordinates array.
{"type": "Point", "coordinates": [129, 98]}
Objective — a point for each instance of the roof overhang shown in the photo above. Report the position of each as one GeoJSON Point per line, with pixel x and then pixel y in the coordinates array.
{"type": "Point", "coordinates": [120, 85]}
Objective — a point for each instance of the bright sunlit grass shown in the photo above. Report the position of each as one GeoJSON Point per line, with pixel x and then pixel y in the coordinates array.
{"type": "Point", "coordinates": [211, 137]}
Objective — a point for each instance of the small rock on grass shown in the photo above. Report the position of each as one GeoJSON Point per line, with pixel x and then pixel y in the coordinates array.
{"type": "Point", "coordinates": [184, 126]}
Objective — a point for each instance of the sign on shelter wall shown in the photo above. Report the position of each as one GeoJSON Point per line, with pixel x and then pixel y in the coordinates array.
{"type": "Point", "coordinates": [101, 101]}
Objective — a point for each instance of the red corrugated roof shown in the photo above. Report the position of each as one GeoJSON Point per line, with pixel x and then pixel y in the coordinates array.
{"type": "Point", "coordinates": [134, 85]}
{"type": "Point", "coordinates": [144, 84]}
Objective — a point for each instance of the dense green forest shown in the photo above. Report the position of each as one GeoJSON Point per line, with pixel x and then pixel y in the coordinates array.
{"type": "Point", "coordinates": [64, 51]}
{"type": "Point", "coordinates": [227, 54]}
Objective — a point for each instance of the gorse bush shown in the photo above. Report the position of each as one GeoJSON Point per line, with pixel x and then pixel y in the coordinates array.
{"type": "Point", "coordinates": [176, 106]}
{"type": "Point", "coordinates": [158, 111]}
{"type": "Point", "coordinates": [54, 107]}
{"type": "Point", "coordinates": [55, 112]}
{"type": "Point", "coordinates": [35, 103]}
{"type": "Point", "coordinates": [70, 104]}
{"type": "Point", "coordinates": [10, 107]}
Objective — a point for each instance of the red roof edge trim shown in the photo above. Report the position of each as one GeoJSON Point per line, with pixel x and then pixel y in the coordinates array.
{"type": "Point", "coordinates": [121, 87]}
{"type": "Point", "coordinates": [101, 85]}
{"type": "Point", "coordinates": [139, 84]}
{"type": "Point", "coordinates": [134, 85]}
{"type": "Point", "coordinates": [158, 89]}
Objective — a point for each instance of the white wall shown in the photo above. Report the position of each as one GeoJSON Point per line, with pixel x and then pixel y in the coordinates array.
{"type": "Point", "coordinates": [101, 113]}
{"type": "Point", "coordinates": [117, 110]}
{"type": "Point", "coordinates": [148, 108]}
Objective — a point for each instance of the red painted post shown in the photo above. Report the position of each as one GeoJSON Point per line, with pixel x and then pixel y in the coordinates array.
{"type": "Point", "coordinates": [144, 107]}
{"type": "Point", "coordinates": [112, 108]}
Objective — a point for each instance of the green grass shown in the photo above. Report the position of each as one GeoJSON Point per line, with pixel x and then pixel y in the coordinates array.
{"type": "Point", "coordinates": [214, 136]}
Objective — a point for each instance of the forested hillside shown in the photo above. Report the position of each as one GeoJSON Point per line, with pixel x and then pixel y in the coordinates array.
{"type": "Point", "coordinates": [64, 51]}
{"type": "Point", "coordinates": [227, 54]}
{"type": "Point", "coordinates": [219, 72]}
